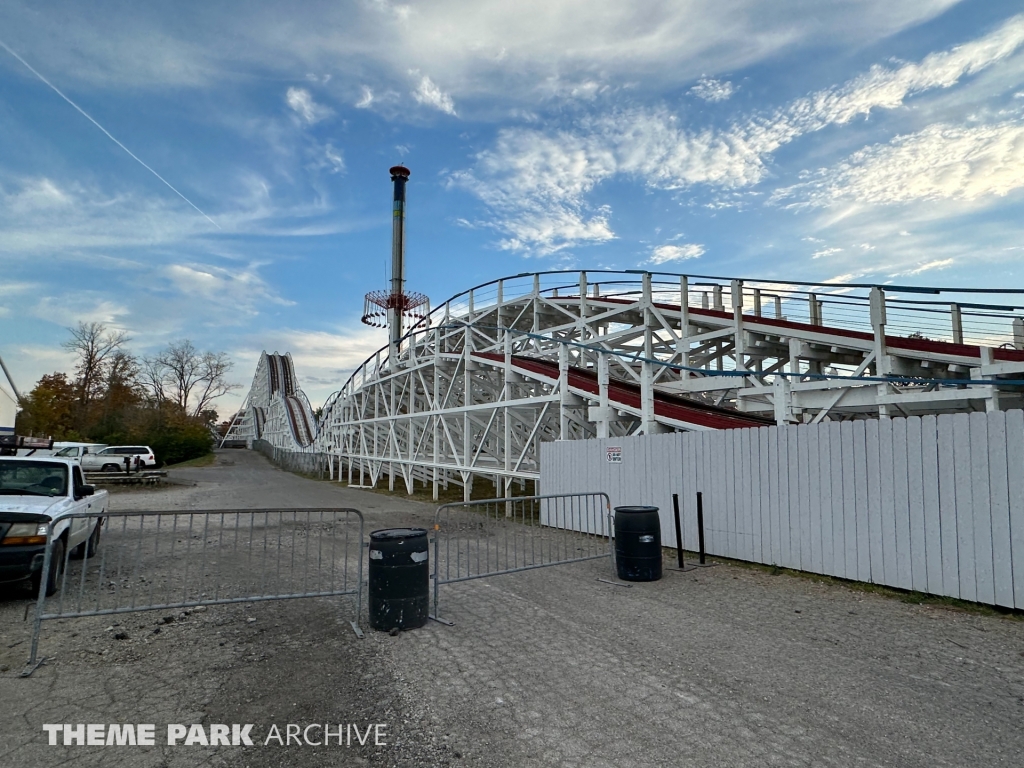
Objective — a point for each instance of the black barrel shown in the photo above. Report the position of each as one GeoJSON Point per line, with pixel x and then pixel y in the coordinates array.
{"type": "Point", "coordinates": [399, 578]}
{"type": "Point", "coordinates": [638, 543]}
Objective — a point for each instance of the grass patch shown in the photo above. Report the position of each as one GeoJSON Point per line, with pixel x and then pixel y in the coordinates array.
{"type": "Point", "coordinates": [892, 593]}
{"type": "Point", "coordinates": [203, 461]}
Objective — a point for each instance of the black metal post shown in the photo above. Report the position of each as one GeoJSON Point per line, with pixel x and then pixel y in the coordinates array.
{"type": "Point", "coordinates": [679, 530]}
{"type": "Point", "coordinates": [700, 525]}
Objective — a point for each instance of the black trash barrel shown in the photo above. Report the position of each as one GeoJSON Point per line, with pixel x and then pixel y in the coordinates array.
{"type": "Point", "coordinates": [399, 578]}
{"type": "Point", "coordinates": [638, 543]}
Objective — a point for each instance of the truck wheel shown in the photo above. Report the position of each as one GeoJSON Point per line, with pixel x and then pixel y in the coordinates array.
{"type": "Point", "coordinates": [88, 547]}
{"type": "Point", "coordinates": [94, 540]}
{"type": "Point", "coordinates": [111, 468]}
{"type": "Point", "coordinates": [56, 571]}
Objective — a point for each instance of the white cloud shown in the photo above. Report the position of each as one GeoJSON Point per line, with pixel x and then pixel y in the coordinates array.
{"type": "Point", "coordinates": [70, 308]}
{"type": "Point", "coordinates": [665, 254]}
{"type": "Point", "coordinates": [12, 287]}
{"type": "Point", "coordinates": [710, 89]}
{"type": "Point", "coordinates": [547, 175]}
{"type": "Point", "coordinates": [40, 215]}
{"type": "Point", "coordinates": [428, 94]}
{"type": "Point", "coordinates": [302, 103]}
{"type": "Point", "coordinates": [849, 277]}
{"type": "Point", "coordinates": [500, 48]}
{"type": "Point", "coordinates": [36, 194]}
{"type": "Point", "coordinates": [366, 99]}
{"type": "Point", "coordinates": [245, 288]}
{"type": "Point", "coordinates": [940, 162]}
{"type": "Point", "coordinates": [826, 252]}
{"type": "Point", "coordinates": [929, 265]}
{"type": "Point", "coordinates": [332, 159]}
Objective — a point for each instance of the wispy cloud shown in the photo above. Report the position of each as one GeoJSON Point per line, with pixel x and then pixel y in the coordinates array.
{"type": "Point", "coordinates": [710, 89]}
{"type": "Point", "coordinates": [496, 49]}
{"type": "Point", "coordinates": [302, 103]}
{"type": "Point", "coordinates": [533, 174]}
{"type": "Point", "coordinates": [429, 94]}
{"type": "Point", "coordinates": [70, 308]}
{"type": "Point", "coordinates": [665, 254]}
{"type": "Point", "coordinates": [826, 252]}
{"type": "Point", "coordinates": [926, 267]}
{"type": "Point", "coordinates": [366, 99]}
{"type": "Point", "coordinates": [243, 285]}
{"type": "Point", "coordinates": [105, 132]}
{"type": "Point", "coordinates": [940, 162]}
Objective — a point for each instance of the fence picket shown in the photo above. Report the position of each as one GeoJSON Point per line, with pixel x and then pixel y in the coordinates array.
{"type": "Point", "coordinates": [813, 511]}
{"type": "Point", "coordinates": [980, 501]}
{"type": "Point", "coordinates": [950, 539]}
{"type": "Point", "coordinates": [915, 489]}
{"type": "Point", "coordinates": [930, 499]}
{"type": "Point", "coordinates": [849, 502]}
{"type": "Point", "coordinates": [901, 503]}
{"type": "Point", "coordinates": [875, 533]}
{"type": "Point", "coordinates": [964, 506]}
{"type": "Point", "coordinates": [795, 527]}
{"type": "Point", "coordinates": [754, 496]}
{"type": "Point", "coordinates": [1000, 508]}
{"type": "Point", "coordinates": [1015, 492]}
{"type": "Point", "coordinates": [764, 490]}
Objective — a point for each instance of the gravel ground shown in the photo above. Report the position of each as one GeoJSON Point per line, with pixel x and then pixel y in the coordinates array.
{"type": "Point", "coordinates": [717, 666]}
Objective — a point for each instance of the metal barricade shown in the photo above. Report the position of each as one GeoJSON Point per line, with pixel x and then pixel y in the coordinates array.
{"type": "Point", "coordinates": [189, 558]}
{"type": "Point", "coordinates": [474, 539]}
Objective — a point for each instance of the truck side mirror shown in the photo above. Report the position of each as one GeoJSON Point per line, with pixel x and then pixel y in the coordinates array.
{"type": "Point", "coordinates": [87, 490]}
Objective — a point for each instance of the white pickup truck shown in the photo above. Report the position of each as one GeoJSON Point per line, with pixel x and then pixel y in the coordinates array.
{"type": "Point", "coordinates": [36, 497]}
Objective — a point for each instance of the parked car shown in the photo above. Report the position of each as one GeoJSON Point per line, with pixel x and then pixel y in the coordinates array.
{"type": "Point", "coordinates": [36, 497]}
{"type": "Point", "coordinates": [76, 450]}
{"type": "Point", "coordinates": [111, 458]}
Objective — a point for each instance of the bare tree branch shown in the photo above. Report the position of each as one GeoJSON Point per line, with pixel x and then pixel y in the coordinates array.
{"type": "Point", "coordinates": [188, 377]}
{"type": "Point", "coordinates": [92, 344]}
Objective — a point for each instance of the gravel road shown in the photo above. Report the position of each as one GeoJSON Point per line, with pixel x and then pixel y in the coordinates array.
{"type": "Point", "coordinates": [712, 667]}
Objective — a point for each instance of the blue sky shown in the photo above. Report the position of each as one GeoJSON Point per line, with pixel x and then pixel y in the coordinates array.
{"type": "Point", "coordinates": [799, 139]}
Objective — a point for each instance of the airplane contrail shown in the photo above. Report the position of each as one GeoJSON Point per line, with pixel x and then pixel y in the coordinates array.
{"type": "Point", "coordinates": [110, 136]}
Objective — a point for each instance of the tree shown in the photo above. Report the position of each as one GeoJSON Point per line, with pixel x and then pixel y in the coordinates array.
{"type": "Point", "coordinates": [190, 378]}
{"type": "Point", "coordinates": [92, 344]}
{"type": "Point", "coordinates": [49, 409]}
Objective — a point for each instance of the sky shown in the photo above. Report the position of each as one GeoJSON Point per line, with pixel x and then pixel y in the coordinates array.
{"type": "Point", "coordinates": [219, 171]}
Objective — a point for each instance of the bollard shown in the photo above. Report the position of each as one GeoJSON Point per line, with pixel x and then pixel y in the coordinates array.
{"type": "Point", "coordinates": [700, 525]}
{"type": "Point", "coordinates": [679, 532]}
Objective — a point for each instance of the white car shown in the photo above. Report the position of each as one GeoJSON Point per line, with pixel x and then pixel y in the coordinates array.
{"type": "Point", "coordinates": [76, 450]}
{"type": "Point", "coordinates": [36, 497]}
{"type": "Point", "coordinates": [111, 458]}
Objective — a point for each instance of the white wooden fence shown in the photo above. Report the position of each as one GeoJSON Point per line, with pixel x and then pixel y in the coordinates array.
{"type": "Point", "coordinates": [932, 504]}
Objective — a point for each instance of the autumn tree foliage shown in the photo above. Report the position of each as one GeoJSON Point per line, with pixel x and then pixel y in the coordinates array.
{"type": "Point", "coordinates": [165, 401]}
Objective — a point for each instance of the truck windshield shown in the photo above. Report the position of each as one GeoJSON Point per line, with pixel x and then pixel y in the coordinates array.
{"type": "Point", "coordinates": [33, 478]}
{"type": "Point", "coordinates": [72, 451]}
